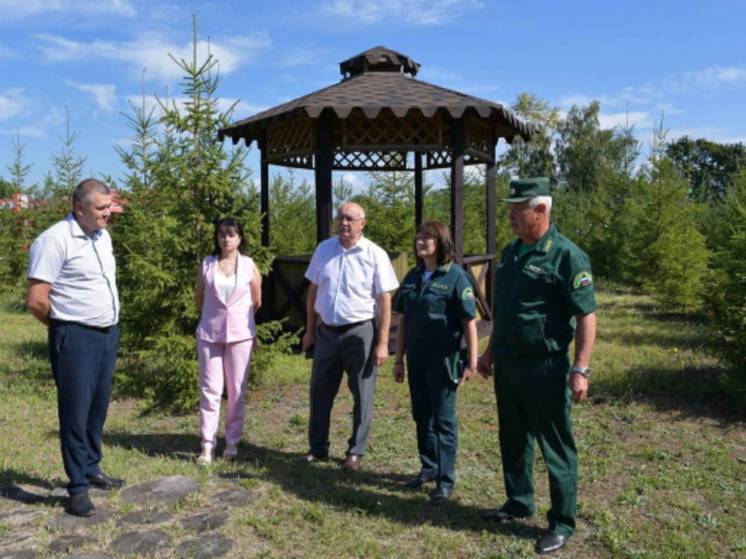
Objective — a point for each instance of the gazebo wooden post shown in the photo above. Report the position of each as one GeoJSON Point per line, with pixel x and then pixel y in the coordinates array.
{"type": "Point", "coordinates": [457, 189]}
{"type": "Point", "coordinates": [323, 169]}
{"type": "Point", "coordinates": [269, 306]}
{"type": "Point", "coordinates": [264, 196]}
{"type": "Point", "coordinates": [418, 197]}
{"type": "Point", "coordinates": [491, 175]}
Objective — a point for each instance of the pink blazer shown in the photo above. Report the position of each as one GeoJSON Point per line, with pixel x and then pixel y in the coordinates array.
{"type": "Point", "coordinates": [232, 320]}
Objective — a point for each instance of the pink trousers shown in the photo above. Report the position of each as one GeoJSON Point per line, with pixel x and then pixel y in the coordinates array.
{"type": "Point", "coordinates": [220, 363]}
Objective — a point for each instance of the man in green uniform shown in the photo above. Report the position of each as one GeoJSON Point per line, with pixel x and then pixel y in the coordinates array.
{"type": "Point", "coordinates": [543, 297]}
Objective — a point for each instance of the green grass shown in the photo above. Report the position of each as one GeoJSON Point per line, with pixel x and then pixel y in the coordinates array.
{"type": "Point", "coordinates": [662, 454]}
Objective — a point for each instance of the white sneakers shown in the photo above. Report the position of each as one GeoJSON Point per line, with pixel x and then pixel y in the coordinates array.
{"type": "Point", "coordinates": [208, 453]}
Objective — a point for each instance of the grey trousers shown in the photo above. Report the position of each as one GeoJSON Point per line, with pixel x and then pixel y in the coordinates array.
{"type": "Point", "coordinates": [336, 352]}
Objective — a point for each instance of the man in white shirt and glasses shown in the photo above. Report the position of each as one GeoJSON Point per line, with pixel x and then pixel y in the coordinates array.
{"type": "Point", "coordinates": [350, 292]}
{"type": "Point", "coordinates": [73, 291]}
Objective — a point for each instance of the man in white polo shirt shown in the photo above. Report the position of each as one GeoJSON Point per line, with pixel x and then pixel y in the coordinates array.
{"type": "Point", "coordinates": [72, 276]}
{"type": "Point", "coordinates": [351, 284]}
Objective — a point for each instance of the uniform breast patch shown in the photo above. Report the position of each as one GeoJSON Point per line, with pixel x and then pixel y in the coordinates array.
{"type": "Point", "coordinates": [582, 279]}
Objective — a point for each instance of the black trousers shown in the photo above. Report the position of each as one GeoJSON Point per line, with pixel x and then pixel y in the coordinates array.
{"type": "Point", "coordinates": [82, 362]}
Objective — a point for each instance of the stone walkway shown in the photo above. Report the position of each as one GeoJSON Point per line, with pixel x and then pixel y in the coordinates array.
{"type": "Point", "coordinates": [165, 516]}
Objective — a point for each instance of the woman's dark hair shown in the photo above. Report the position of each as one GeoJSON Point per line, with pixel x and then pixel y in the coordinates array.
{"type": "Point", "coordinates": [225, 226]}
{"type": "Point", "coordinates": [443, 242]}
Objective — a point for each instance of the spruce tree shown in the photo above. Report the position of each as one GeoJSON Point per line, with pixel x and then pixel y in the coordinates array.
{"type": "Point", "coordinates": [180, 181]}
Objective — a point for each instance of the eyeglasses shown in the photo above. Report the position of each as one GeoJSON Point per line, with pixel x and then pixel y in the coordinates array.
{"type": "Point", "coordinates": [349, 219]}
{"type": "Point", "coordinates": [424, 238]}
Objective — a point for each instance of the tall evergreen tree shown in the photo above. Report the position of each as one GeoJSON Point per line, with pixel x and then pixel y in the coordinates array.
{"type": "Point", "coordinates": [180, 181]}
{"type": "Point", "coordinates": [19, 169]}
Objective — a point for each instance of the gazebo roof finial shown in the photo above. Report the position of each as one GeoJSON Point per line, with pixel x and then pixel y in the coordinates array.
{"type": "Point", "coordinates": [378, 59]}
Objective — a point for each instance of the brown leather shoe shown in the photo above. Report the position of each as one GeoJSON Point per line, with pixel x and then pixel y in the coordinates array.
{"type": "Point", "coordinates": [353, 462]}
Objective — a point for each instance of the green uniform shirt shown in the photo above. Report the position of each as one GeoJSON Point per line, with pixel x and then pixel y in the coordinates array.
{"type": "Point", "coordinates": [434, 310]}
{"type": "Point", "coordinates": [537, 295]}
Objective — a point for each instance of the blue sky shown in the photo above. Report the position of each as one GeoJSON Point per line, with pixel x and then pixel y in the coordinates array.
{"type": "Point", "coordinates": [683, 60]}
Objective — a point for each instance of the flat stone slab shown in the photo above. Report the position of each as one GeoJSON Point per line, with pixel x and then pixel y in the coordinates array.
{"type": "Point", "coordinates": [140, 543]}
{"type": "Point", "coordinates": [20, 517]}
{"type": "Point", "coordinates": [88, 556]}
{"type": "Point", "coordinates": [68, 523]}
{"type": "Point", "coordinates": [205, 521]}
{"type": "Point", "coordinates": [164, 491]}
{"type": "Point", "coordinates": [238, 497]}
{"type": "Point", "coordinates": [66, 544]}
{"type": "Point", "coordinates": [20, 554]}
{"type": "Point", "coordinates": [146, 517]}
{"type": "Point", "coordinates": [204, 548]}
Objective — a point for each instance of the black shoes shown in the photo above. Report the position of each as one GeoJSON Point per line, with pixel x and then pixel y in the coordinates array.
{"type": "Point", "coordinates": [549, 543]}
{"type": "Point", "coordinates": [102, 481]}
{"type": "Point", "coordinates": [312, 457]}
{"type": "Point", "coordinates": [419, 480]}
{"type": "Point", "coordinates": [441, 495]}
{"type": "Point", "coordinates": [80, 505]}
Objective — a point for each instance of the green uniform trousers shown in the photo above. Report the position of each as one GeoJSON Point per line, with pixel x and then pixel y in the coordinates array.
{"type": "Point", "coordinates": [434, 411]}
{"type": "Point", "coordinates": [533, 403]}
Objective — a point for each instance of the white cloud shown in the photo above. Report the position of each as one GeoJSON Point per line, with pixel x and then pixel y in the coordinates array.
{"type": "Point", "coordinates": [712, 133]}
{"type": "Point", "coordinates": [104, 95]}
{"type": "Point", "coordinates": [38, 129]}
{"type": "Point", "coordinates": [153, 54]}
{"type": "Point", "coordinates": [638, 119]}
{"type": "Point", "coordinates": [716, 76]}
{"type": "Point", "coordinates": [357, 181]}
{"type": "Point", "coordinates": [413, 12]}
{"type": "Point", "coordinates": [14, 10]}
{"type": "Point", "coordinates": [12, 103]}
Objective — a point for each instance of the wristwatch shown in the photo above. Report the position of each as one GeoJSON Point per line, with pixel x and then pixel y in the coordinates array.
{"type": "Point", "coordinates": [583, 371]}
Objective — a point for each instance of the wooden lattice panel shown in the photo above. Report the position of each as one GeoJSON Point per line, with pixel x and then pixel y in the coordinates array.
{"type": "Point", "coordinates": [359, 133]}
{"type": "Point", "coordinates": [290, 137]}
{"type": "Point", "coordinates": [477, 137]}
{"type": "Point", "coordinates": [370, 160]}
{"type": "Point", "coordinates": [296, 161]}
{"type": "Point", "coordinates": [438, 159]}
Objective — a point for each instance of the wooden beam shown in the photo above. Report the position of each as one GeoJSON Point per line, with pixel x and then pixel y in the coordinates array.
{"type": "Point", "coordinates": [457, 188]}
{"type": "Point", "coordinates": [264, 195]}
{"type": "Point", "coordinates": [418, 194]}
{"type": "Point", "coordinates": [323, 170]}
{"type": "Point", "coordinates": [491, 232]}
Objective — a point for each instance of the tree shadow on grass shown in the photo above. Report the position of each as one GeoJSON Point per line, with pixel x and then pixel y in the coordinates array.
{"type": "Point", "coordinates": [366, 492]}
{"type": "Point", "coordinates": [690, 392]}
{"type": "Point", "coordinates": [30, 490]}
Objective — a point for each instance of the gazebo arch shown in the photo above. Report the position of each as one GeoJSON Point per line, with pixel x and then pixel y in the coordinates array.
{"type": "Point", "coordinates": [379, 117]}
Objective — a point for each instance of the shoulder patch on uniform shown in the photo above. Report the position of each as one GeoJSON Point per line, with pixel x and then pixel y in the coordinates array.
{"type": "Point", "coordinates": [467, 294]}
{"type": "Point", "coordinates": [582, 279]}
{"type": "Point", "coordinates": [548, 245]}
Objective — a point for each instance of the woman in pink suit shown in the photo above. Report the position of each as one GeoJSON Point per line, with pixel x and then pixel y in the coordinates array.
{"type": "Point", "coordinates": [229, 292]}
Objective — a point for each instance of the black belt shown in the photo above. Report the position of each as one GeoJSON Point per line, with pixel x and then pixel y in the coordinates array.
{"type": "Point", "coordinates": [344, 327]}
{"type": "Point", "coordinates": [101, 329]}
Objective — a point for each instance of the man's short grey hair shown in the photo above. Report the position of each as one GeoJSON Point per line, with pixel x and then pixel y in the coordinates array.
{"type": "Point", "coordinates": [82, 192]}
{"type": "Point", "coordinates": [362, 210]}
{"type": "Point", "coordinates": [546, 201]}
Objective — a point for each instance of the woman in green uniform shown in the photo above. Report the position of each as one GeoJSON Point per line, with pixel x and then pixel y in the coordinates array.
{"type": "Point", "coordinates": [436, 309]}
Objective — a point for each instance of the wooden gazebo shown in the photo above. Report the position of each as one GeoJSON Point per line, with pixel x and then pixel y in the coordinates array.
{"type": "Point", "coordinates": [380, 118]}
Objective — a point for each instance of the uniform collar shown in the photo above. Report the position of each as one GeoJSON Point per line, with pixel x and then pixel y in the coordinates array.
{"type": "Point", "coordinates": [545, 242]}
{"type": "Point", "coordinates": [443, 268]}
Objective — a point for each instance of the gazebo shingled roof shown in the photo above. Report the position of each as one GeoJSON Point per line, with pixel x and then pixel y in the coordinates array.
{"type": "Point", "coordinates": [379, 79]}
